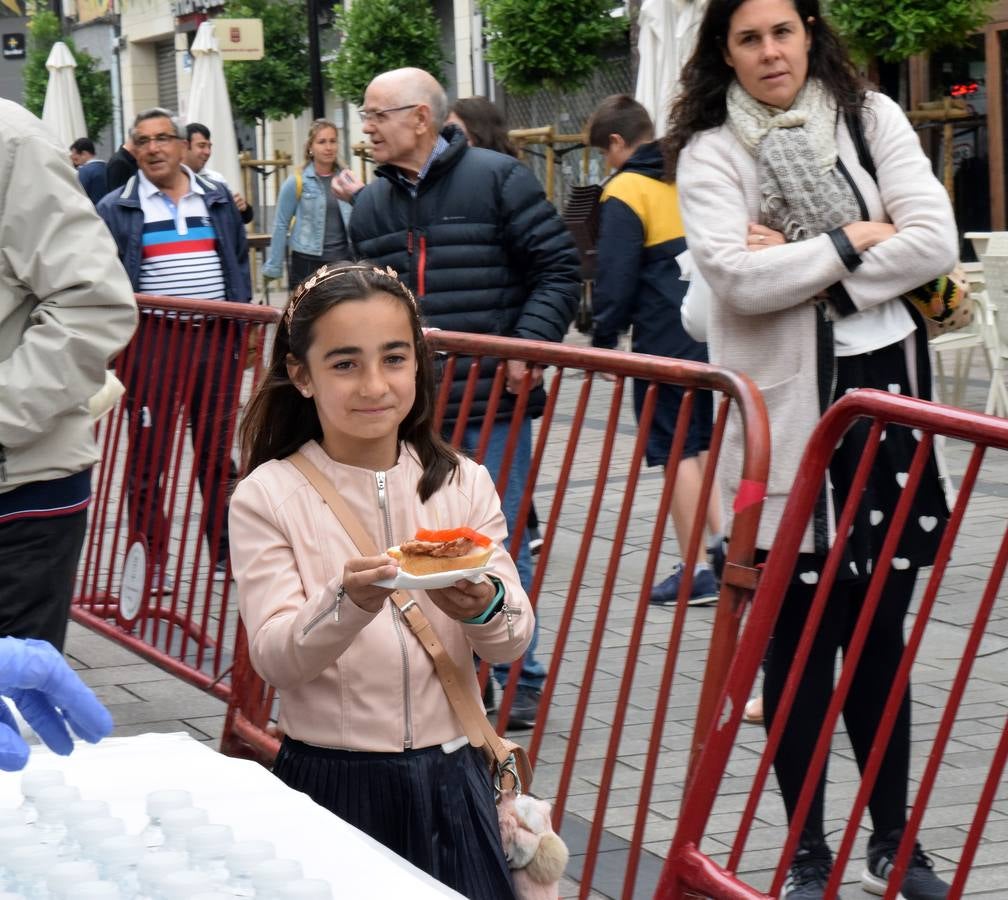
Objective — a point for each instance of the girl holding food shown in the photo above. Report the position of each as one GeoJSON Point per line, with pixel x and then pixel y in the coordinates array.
{"type": "Point", "coordinates": [369, 731]}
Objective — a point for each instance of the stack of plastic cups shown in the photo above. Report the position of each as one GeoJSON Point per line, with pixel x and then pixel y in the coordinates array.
{"type": "Point", "coordinates": [11, 837]}
{"type": "Point", "coordinates": [183, 885]}
{"type": "Point", "coordinates": [65, 875]}
{"type": "Point", "coordinates": [272, 874]}
{"type": "Point", "coordinates": [208, 846]}
{"type": "Point", "coordinates": [94, 890]}
{"type": "Point", "coordinates": [177, 823]}
{"type": "Point", "coordinates": [52, 803]}
{"type": "Point", "coordinates": [77, 812]}
{"type": "Point", "coordinates": [154, 866]}
{"type": "Point", "coordinates": [306, 889]}
{"type": "Point", "coordinates": [31, 784]}
{"type": "Point", "coordinates": [29, 866]}
{"type": "Point", "coordinates": [118, 858]}
{"type": "Point", "coordinates": [91, 832]}
{"type": "Point", "coordinates": [158, 803]}
{"type": "Point", "coordinates": [241, 858]}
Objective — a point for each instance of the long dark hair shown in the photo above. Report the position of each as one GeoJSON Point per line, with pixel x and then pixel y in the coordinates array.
{"type": "Point", "coordinates": [701, 103]}
{"type": "Point", "coordinates": [279, 419]}
{"type": "Point", "coordinates": [485, 124]}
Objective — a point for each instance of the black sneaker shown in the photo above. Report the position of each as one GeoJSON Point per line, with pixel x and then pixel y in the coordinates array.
{"type": "Point", "coordinates": [810, 870]}
{"type": "Point", "coordinates": [919, 882]}
{"type": "Point", "coordinates": [489, 696]}
{"type": "Point", "coordinates": [525, 707]}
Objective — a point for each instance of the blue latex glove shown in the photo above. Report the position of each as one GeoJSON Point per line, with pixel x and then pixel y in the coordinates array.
{"type": "Point", "coordinates": [48, 693]}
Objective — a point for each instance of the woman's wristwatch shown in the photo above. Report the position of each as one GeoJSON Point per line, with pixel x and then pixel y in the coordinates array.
{"type": "Point", "coordinates": [496, 604]}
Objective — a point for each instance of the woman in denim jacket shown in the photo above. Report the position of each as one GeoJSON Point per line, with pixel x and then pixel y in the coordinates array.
{"type": "Point", "coordinates": [319, 233]}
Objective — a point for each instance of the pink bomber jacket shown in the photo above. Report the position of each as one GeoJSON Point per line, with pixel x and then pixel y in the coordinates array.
{"type": "Point", "coordinates": [348, 678]}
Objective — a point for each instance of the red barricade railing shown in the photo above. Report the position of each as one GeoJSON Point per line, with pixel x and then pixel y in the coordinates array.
{"type": "Point", "coordinates": [733, 782]}
{"type": "Point", "coordinates": [161, 488]}
{"type": "Point", "coordinates": [610, 730]}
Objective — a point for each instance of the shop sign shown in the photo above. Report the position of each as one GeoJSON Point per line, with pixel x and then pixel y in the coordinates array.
{"type": "Point", "coordinates": [14, 46]}
{"type": "Point", "coordinates": [239, 39]}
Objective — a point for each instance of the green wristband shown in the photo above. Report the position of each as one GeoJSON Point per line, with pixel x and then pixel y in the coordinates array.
{"type": "Point", "coordinates": [495, 605]}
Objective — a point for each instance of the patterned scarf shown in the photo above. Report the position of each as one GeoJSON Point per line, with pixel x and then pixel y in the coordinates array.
{"type": "Point", "coordinates": [803, 193]}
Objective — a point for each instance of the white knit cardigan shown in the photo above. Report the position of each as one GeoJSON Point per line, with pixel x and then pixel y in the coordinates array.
{"type": "Point", "coordinates": [762, 321]}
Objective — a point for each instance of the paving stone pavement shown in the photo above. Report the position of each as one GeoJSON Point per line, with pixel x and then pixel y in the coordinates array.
{"type": "Point", "coordinates": [143, 698]}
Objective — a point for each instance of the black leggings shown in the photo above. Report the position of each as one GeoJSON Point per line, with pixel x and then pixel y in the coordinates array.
{"type": "Point", "coordinates": [865, 702]}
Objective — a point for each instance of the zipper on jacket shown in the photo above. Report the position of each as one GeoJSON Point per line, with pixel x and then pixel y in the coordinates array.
{"type": "Point", "coordinates": [422, 267]}
{"type": "Point", "coordinates": [397, 618]}
{"type": "Point", "coordinates": [333, 607]}
{"type": "Point", "coordinates": [3, 463]}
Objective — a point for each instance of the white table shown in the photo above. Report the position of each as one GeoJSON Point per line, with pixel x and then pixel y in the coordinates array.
{"type": "Point", "coordinates": [238, 793]}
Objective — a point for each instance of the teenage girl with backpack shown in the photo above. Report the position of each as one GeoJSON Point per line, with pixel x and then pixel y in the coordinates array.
{"type": "Point", "coordinates": [369, 730]}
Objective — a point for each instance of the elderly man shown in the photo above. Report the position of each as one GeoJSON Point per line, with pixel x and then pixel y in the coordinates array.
{"type": "Point", "coordinates": [473, 235]}
{"type": "Point", "coordinates": [179, 235]}
{"type": "Point", "coordinates": [66, 308]}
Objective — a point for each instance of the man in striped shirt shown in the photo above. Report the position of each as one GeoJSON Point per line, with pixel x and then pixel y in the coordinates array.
{"type": "Point", "coordinates": [179, 235]}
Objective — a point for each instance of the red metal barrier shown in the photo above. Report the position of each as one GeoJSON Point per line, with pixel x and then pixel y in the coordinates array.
{"type": "Point", "coordinates": [725, 869]}
{"type": "Point", "coordinates": [610, 726]}
{"type": "Point", "coordinates": [155, 535]}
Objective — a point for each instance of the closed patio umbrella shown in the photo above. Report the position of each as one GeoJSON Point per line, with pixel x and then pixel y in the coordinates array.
{"type": "Point", "coordinates": [62, 110]}
{"type": "Point", "coordinates": [210, 105]}
{"type": "Point", "coordinates": [667, 36]}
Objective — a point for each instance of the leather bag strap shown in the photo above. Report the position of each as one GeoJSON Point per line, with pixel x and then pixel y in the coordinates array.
{"type": "Point", "coordinates": [477, 726]}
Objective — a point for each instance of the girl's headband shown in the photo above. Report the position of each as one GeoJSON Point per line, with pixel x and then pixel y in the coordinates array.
{"type": "Point", "coordinates": [328, 272]}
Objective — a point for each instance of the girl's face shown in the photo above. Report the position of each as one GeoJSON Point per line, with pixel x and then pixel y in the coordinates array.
{"type": "Point", "coordinates": [325, 148]}
{"type": "Point", "coordinates": [768, 47]}
{"type": "Point", "coordinates": [361, 372]}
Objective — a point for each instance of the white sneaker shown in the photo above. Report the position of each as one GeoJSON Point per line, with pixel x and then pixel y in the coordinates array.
{"type": "Point", "coordinates": [161, 582]}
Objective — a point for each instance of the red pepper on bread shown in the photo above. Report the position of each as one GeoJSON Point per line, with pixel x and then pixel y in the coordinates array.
{"type": "Point", "coordinates": [435, 551]}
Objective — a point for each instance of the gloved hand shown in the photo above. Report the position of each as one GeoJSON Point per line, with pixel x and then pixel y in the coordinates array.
{"type": "Point", "coordinates": [49, 695]}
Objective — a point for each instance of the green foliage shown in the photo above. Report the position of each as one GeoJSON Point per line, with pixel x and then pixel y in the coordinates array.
{"type": "Point", "coordinates": [893, 30]}
{"type": "Point", "coordinates": [379, 35]}
{"type": "Point", "coordinates": [93, 83]}
{"type": "Point", "coordinates": [554, 44]}
{"type": "Point", "coordinates": [277, 85]}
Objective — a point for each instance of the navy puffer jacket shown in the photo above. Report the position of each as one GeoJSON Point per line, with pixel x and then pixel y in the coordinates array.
{"type": "Point", "coordinates": [480, 246]}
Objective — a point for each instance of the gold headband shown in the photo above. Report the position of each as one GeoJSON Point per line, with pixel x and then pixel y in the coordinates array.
{"type": "Point", "coordinates": [328, 272]}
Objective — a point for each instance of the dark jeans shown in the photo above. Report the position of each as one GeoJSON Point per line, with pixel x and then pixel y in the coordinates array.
{"type": "Point", "coordinates": [38, 562]}
{"type": "Point", "coordinates": [533, 672]}
{"type": "Point", "coordinates": [863, 709]}
{"type": "Point", "coordinates": [162, 371]}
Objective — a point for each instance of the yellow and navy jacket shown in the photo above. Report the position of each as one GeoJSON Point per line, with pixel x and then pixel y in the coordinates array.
{"type": "Point", "coordinates": [637, 284]}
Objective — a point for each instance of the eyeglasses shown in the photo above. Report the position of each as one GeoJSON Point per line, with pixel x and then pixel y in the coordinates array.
{"type": "Point", "coordinates": [381, 115]}
{"type": "Point", "coordinates": [142, 143]}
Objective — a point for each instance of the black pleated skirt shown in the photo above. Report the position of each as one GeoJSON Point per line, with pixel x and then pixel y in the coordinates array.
{"type": "Point", "coordinates": [433, 808]}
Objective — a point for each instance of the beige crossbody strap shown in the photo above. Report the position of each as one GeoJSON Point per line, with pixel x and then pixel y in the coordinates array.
{"type": "Point", "coordinates": [477, 727]}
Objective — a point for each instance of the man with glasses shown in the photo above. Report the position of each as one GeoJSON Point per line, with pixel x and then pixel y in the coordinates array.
{"type": "Point", "coordinates": [179, 235]}
{"type": "Point", "coordinates": [473, 235]}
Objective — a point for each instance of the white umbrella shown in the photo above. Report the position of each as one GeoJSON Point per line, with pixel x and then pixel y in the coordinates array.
{"type": "Point", "coordinates": [210, 105]}
{"type": "Point", "coordinates": [62, 110]}
{"type": "Point", "coordinates": [667, 34]}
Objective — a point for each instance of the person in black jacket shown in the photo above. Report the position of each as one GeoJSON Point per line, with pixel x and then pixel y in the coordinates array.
{"type": "Point", "coordinates": [638, 287]}
{"type": "Point", "coordinates": [472, 234]}
{"type": "Point", "coordinates": [122, 166]}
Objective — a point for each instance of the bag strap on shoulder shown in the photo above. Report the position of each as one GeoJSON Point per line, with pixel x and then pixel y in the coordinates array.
{"type": "Point", "coordinates": [477, 726]}
{"type": "Point", "coordinates": [855, 125]}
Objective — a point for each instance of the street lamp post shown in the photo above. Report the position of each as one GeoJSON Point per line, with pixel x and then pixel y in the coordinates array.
{"type": "Point", "coordinates": [315, 61]}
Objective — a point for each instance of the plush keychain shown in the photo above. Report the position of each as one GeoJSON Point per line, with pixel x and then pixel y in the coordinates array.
{"type": "Point", "coordinates": [534, 851]}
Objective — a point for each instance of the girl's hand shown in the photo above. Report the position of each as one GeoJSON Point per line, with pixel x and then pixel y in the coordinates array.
{"type": "Point", "coordinates": [359, 576]}
{"type": "Point", "coordinates": [760, 237]}
{"type": "Point", "coordinates": [865, 235]}
{"type": "Point", "coordinates": [464, 599]}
